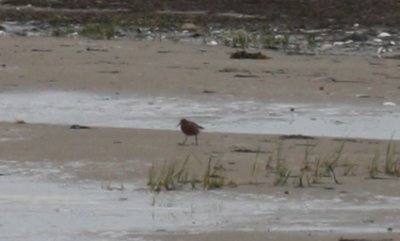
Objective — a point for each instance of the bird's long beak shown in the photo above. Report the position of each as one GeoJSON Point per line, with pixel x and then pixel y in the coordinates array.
{"type": "Point", "coordinates": [178, 124]}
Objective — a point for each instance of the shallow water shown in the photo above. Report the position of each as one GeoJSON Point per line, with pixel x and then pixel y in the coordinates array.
{"type": "Point", "coordinates": [59, 207]}
{"type": "Point", "coordinates": [334, 120]}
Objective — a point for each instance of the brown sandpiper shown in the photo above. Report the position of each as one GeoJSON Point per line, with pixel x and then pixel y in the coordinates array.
{"type": "Point", "coordinates": [189, 128]}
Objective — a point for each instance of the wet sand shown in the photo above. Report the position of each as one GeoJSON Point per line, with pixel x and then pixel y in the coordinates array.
{"type": "Point", "coordinates": [198, 73]}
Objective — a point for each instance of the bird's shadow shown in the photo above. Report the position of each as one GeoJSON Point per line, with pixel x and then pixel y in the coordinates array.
{"type": "Point", "coordinates": [184, 144]}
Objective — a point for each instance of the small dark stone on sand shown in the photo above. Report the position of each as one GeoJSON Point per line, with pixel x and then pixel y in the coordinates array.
{"type": "Point", "coordinates": [78, 127]}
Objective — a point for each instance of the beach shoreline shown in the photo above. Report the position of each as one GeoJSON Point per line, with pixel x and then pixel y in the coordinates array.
{"type": "Point", "coordinates": [126, 68]}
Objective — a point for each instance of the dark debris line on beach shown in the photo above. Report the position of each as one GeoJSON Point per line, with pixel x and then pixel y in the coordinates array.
{"type": "Point", "coordinates": [294, 13]}
{"type": "Point", "coordinates": [306, 27]}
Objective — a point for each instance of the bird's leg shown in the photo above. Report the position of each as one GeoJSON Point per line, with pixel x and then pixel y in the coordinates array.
{"type": "Point", "coordinates": [184, 141]}
{"type": "Point", "coordinates": [195, 139]}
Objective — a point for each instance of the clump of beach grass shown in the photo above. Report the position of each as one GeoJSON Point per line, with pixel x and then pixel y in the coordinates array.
{"type": "Point", "coordinates": [373, 167]}
{"type": "Point", "coordinates": [175, 176]}
{"type": "Point", "coordinates": [321, 167]}
{"type": "Point", "coordinates": [306, 167]}
{"type": "Point", "coordinates": [274, 40]}
{"type": "Point", "coordinates": [164, 180]}
{"type": "Point", "coordinates": [256, 169]}
{"type": "Point", "coordinates": [307, 152]}
{"type": "Point", "coordinates": [391, 160]}
{"type": "Point", "coordinates": [241, 39]}
{"type": "Point", "coordinates": [318, 172]}
{"type": "Point", "coordinates": [283, 174]}
{"type": "Point", "coordinates": [237, 39]}
{"type": "Point", "coordinates": [281, 171]}
{"type": "Point", "coordinates": [99, 31]}
{"type": "Point", "coordinates": [330, 164]}
{"type": "Point", "coordinates": [350, 169]}
{"type": "Point", "coordinates": [170, 175]}
{"type": "Point", "coordinates": [213, 177]}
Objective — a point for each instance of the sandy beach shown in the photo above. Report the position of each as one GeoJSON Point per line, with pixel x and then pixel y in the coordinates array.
{"type": "Point", "coordinates": [185, 70]}
{"type": "Point", "coordinates": [120, 156]}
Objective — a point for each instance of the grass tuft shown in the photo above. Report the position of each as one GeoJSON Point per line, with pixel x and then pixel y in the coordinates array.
{"type": "Point", "coordinates": [391, 162]}
{"type": "Point", "coordinates": [283, 174]}
{"type": "Point", "coordinates": [373, 168]}
{"type": "Point", "coordinates": [213, 178]}
{"type": "Point", "coordinates": [256, 169]}
{"type": "Point", "coordinates": [173, 176]}
{"type": "Point", "coordinates": [99, 31]}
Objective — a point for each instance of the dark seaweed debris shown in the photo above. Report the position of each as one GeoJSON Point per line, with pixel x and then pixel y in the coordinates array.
{"type": "Point", "coordinates": [247, 55]}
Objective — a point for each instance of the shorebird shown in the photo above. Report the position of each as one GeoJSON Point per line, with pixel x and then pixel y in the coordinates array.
{"type": "Point", "coordinates": [189, 128]}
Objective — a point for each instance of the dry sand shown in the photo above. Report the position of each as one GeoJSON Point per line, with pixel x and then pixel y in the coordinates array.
{"type": "Point", "coordinates": [186, 70]}
{"type": "Point", "coordinates": [197, 72]}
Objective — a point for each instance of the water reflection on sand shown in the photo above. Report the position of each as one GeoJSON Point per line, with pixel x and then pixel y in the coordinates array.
{"type": "Point", "coordinates": [335, 120]}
